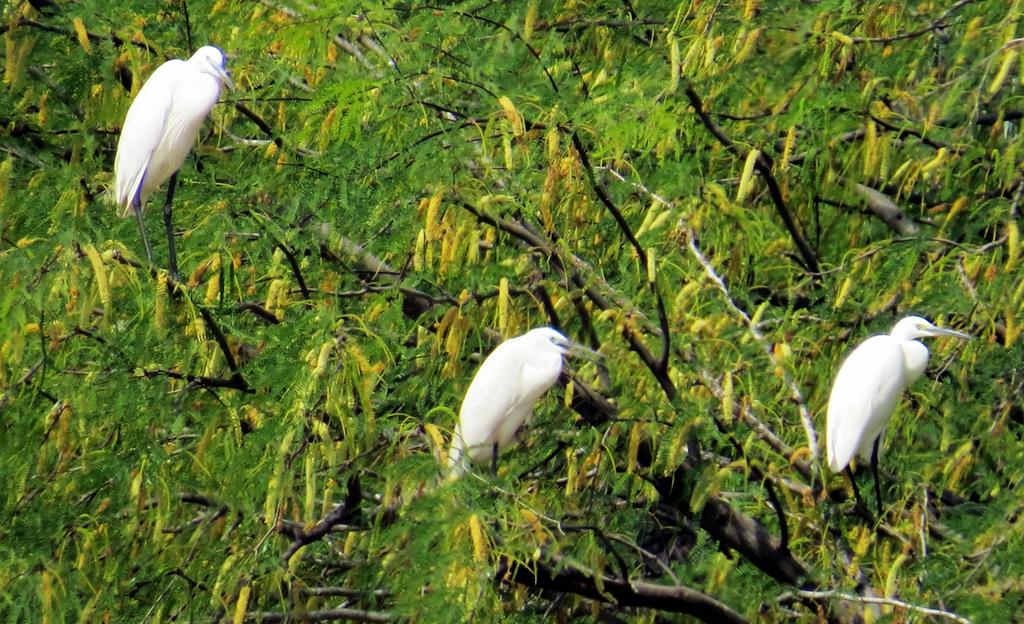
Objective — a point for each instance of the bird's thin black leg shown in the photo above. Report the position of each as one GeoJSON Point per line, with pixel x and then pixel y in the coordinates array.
{"type": "Point", "coordinates": [172, 255]}
{"type": "Point", "coordinates": [874, 471]}
{"type": "Point", "coordinates": [494, 458]}
{"type": "Point", "coordinates": [861, 508]}
{"type": "Point", "coordinates": [137, 207]}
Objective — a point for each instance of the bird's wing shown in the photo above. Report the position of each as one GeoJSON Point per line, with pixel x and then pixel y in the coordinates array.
{"type": "Point", "coordinates": [863, 396]}
{"type": "Point", "coordinates": [140, 135]}
{"type": "Point", "coordinates": [489, 402]}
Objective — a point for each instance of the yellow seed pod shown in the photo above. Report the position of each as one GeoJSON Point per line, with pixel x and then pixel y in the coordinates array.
{"type": "Point", "coordinates": [935, 162]}
{"type": "Point", "coordinates": [1009, 57]}
{"type": "Point", "coordinates": [1012, 244]}
{"type": "Point", "coordinates": [844, 292]}
{"type": "Point", "coordinates": [82, 35]}
{"type": "Point", "coordinates": [747, 178]}
{"type": "Point", "coordinates": [419, 255]}
{"type": "Point", "coordinates": [476, 532]}
{"type": "Point", "coordinates": [102, 280]}
{"type": "Point", "coordinates": [241, 604]}
{"type": "Point", "coordinates": [160, 301]}
{"type": "Point", "coordinates": [433, 224]}
{"type": "Point", "coordinates": [749, 45]}
{"type": "Point", "coordinates": [437, 439]}
{"type": "Point", "coordinates": [503, 304]}
{"type": "Point", "coordinates": [518, 125]}
{"type": "Point", "coordinates": [787, 148]}
{"type": "Point", "coordinates": [673, 64]}
{"type": "Point", "coordinates": [635, 434]}
{"type": "Point", "coordinates": [530, 21]}
{"type": "Point", "coordinates": [533, 521]}
{"type": "Point", "coordinates": [870, 148]}
{"type": "Point", "coordinates": [323, 358]}
{"type": "Point", "coordinates": [727, 397]}
{"type": "Point", "coordinates": [212, 289]}
{"type": "Point", "coordinates": [749, 9]}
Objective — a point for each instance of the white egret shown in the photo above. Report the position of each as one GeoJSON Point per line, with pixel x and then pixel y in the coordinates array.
{"type": "Point", "coordinates": [866, 389]}
{"type": "Point", "coordinates": [159, 131]}
{"type": "Point", "coordinates": [501, 397]}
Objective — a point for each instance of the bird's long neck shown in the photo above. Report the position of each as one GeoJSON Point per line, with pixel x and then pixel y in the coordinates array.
{"type": "Point", "coordinates": [915, 358]}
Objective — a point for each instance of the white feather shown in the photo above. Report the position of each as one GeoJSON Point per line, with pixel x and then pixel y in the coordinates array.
{"type": "Point", "coordinates": [162, 124]}
{"type": "Point", "coordinates": [501, 397]}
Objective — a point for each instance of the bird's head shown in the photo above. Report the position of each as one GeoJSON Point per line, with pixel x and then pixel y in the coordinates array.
{"type": "Point", "coordinates": [550, 340]}
{"type": "Point", "coordinates": [913, 327]}
{"type": "Point", "coordinates": [212, 61]}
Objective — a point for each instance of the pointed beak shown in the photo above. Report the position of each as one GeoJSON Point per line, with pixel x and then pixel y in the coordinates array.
{"type": "Point", "coordinates": [225, 78]}
{"type": "Point", "coordinates": [942, 331]}
{"type": "Point", "coordinates": [575, 349]}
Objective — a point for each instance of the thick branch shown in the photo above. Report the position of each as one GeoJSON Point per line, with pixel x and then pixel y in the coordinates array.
{"type": "Point", "coordinates": [341, 514]}
{"type": "Point", "coordinates": [558, 575]}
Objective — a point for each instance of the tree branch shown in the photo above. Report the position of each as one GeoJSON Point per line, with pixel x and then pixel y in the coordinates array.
{"type": "Point", "coordinates": [557, 574]}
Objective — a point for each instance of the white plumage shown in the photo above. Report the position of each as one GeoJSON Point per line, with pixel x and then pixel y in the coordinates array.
{"type": "Point", "coordinates": [162, 124]}
{"type": "Point", "coordinates": [501, 397]}
{"type": "Point", "coordinates": [869, 384]}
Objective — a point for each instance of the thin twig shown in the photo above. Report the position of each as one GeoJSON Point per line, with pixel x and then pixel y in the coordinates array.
{"type": "Point", "coordinates": [891, 602]}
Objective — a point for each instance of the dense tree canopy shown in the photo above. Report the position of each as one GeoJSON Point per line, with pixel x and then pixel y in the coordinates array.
{"type": "Point", "coordinates": [722, 198]}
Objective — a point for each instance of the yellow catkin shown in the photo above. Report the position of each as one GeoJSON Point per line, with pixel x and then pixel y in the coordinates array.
{"type": "Point", "coordinates": [749, 9]}
{"type": "Point", "coordinates": [241, 604]}
{"type": "Point", "coordinates": [635, 435]}
{"type": "Point", "coordinates": [530, 21]}
{"type": "Point", "coordinates": [323, 358]}
{"type": "Point", "coordinates": [1012, 244]}
{"type": "Point", "coordinates": [503, 305]}
{"type": "Point", "coordinates": [652, 265]}
{"type": "Point", "coordinates": [160, 301]}
{"type": "Point", "coordinates": [727, 397]}
{"type": "Point", "coordinates": [212, 289]}
{"type": "Point", "coordinates": [476, 531]}
{"type": "Point", "coordinates": [747, 179]}
{"type": "Point", "coordinates": [870, 148]}
{"type": "Point", "coordinates": [82, 35]}
{"type": "Point", "coordinates": [512, 113]}
{"type": "Point", "coordinates": [102, 280]}
{"type": "Point", "coordinates": [749, 45]}
{"type": "Point", "coordinates": [1009, 57]}
{"type": "Point", "coordinates": [419, 255]}
{"type": "Point", "coordinates": [935, 162]}
{"type": "Point", "coordinates": [433, 224]}
{"type": "Point", "coordinates": [436, 438]}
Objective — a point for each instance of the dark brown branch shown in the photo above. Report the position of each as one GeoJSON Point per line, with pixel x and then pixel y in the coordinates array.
{"type": "Point", "coordinates": [559, 575]}
{"type": "Point", "coordinates": [661, 371]}
{"type": "Point", "coordinates": [763, 164]}
{"type": "Point", "coordinates": [222, 342]}
{"type": "Point", "coordinates": [260, 123]}
{"type": "Point", "coordinates": [258, 310]}
{"type": "Point", "coordinates": [733, 529]}
{"type": "Point", "coordinates": [341, 514]}
{"type": "Point", "coordinates": [202, 381]}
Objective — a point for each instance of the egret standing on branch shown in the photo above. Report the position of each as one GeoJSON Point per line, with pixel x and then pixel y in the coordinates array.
{"type": "Point", "coordinates": [159, 132]}
{"type": "Point", "coordinates": [866, 389]}
{"type": "Point", "coordinates": [501, 397]}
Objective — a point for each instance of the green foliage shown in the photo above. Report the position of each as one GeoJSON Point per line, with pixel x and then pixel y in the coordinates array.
{"type": "Point", "coordinates": [392, 189]}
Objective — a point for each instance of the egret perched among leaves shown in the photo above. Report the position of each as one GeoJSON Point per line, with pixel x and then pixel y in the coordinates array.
{"type": "Point", "coordinates": [159, 131]}
{"type": "Point", "coordinates": [866, 389]}
{"type": "Point", "coordinates": [501, 397]}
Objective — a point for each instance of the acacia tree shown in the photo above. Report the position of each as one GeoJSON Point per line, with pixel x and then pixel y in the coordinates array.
{"type": "Point", "coordinates": [722, 198]}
